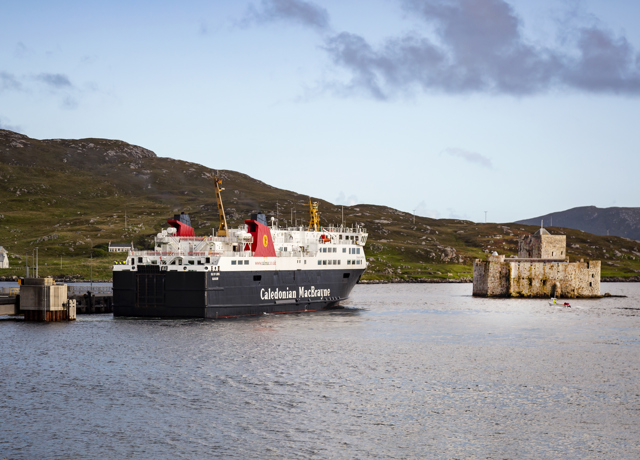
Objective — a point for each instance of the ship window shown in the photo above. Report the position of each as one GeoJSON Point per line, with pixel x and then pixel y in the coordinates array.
{"type": "Point", "coordinates": [319, 262]}
{"type": "Point", "coordinates": [257, 277]}
{"type": "Point", "coordinates": [208, 260]}
{"type": "Point", "coordinates": [357, 250]}
{"type": "Point", "coordinates": [133, 261]}
{"type": "Point", "coordinates": [139, 260]}
{"type": "Point", "coordinates": [191, 262]}
{"type": "Point", "coordinates": [344, 249]}
{"type": "Point", "coordinates": [233, 262]}
{"type": "Point", "coordinates": [346, 275]}
{"type": "Point", "coordinates": [324, 262]}
{"type": "Point", "coordinates": [246, 262]}
{"type": "Point", "coordinates": [348, 262]}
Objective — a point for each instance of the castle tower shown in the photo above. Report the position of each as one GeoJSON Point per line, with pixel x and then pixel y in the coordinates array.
{"type": "Point", "coordinates": [542, 245]}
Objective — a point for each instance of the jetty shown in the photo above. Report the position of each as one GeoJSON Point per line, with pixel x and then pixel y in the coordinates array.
{"type": "Point", "coordinates": [42, 299]}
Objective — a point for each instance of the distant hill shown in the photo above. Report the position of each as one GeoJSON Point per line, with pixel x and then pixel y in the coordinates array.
{"type": "Point", "coordinates": [71, 197]}
{"type": "Point", "coordinates": [624, 222]}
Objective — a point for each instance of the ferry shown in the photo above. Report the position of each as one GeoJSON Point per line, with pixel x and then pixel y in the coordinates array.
{"type": "Point", "coordinates": [257, 268]}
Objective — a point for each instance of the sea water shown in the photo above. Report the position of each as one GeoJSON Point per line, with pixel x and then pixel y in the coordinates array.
{"type": "Point", "coordinates": [405, 371]}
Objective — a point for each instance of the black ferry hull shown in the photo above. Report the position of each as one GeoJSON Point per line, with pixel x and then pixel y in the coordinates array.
{"type": "Point", "coordinates": [149, 292]}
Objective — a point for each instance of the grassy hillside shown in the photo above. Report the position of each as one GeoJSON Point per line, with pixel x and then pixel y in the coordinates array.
{"type": "Point", "coordinates": [66, 197]}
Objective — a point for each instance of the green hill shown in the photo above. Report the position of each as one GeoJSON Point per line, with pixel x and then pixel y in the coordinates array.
{"type": "Point", "coordinates": [68, 196]}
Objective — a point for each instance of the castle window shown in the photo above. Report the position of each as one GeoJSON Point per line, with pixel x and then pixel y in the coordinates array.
{"type": "Point", "coordinates": [590, 284]}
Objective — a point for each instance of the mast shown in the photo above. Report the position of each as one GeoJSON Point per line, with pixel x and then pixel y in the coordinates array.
{"type": "Point", "coordinates": [314, 222]}
{"type": "Point", "coordinates": [222, 230]}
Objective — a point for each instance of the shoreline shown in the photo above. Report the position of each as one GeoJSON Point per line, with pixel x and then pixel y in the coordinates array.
{"type": "Point", "coordinates": [605, 279]}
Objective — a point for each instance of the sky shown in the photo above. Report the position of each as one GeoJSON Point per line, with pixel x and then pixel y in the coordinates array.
{"type": "Point", "coordinates": [466, 109]}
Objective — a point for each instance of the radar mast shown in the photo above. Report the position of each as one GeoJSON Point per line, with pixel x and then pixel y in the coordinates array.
{"type": "Point", "coordinates": [314, 223]}
{"type": "Point", "coordinates": [222, 230]}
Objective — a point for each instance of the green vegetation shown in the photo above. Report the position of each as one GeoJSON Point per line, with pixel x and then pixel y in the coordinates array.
{"type": "Point", "coordinates": [66, 197]}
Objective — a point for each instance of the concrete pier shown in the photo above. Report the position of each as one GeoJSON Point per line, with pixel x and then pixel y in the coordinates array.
{"type": "Point", "coordinates": [43, 300]}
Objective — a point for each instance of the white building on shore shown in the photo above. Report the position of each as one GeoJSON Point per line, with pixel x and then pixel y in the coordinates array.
{"type": "Point", "coordinates": [4, 258]}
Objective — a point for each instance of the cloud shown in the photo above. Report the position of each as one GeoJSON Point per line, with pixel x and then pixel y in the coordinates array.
{"type": "Point", "coordinates": [54, 80]}
{"type": "Point", "coordinates": [21, 50]}
{"type": "Point", "coordinates": [477, 46]}
{"type": "Point", "coordinates": [5, 125]}
{"type": "Point", "coordinates": [422, 209]}
{"type": "Point", "coordinates": [471, 157]}
{"type": "Point", "coordinates": [297, 11]}
{"type": "Point", "coordinates": [350, 200]}
{"type": "Point", "coordinates": [9, 82]}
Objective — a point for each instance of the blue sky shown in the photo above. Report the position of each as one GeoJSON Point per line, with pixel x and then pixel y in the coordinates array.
{"type": "Point", "coordinates": [448, 108]}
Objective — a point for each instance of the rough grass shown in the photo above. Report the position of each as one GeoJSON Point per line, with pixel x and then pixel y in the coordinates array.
{"type": "Point", "coordinates": [66, 207]}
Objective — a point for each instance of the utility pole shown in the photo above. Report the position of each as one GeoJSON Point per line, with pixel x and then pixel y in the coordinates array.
{"type": "Point", "coordinates": [91, 252]}
{"type": "Point", "coordinates": [485, 217]}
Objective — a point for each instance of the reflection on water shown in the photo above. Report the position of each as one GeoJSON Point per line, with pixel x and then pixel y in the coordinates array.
{"type": "Point", "coordinates": [406, 371]}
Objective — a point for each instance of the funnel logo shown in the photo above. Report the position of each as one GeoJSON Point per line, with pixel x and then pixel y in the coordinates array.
{"type": "Point", "coordinates": [265, 240]}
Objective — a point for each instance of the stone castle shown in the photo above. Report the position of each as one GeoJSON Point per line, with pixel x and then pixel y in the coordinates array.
{"type": "Point", "coordinates": [542, 269]}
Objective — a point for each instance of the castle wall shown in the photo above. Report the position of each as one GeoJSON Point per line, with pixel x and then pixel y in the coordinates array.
{"type": "Point", "coordinates": [536, 279]}
{"type": "Point", "coordinates": [490, 278]}
{"type": "Point", "coordinates": [553, 247]}
{"type": "Point", "coordinates": [542, 247]}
